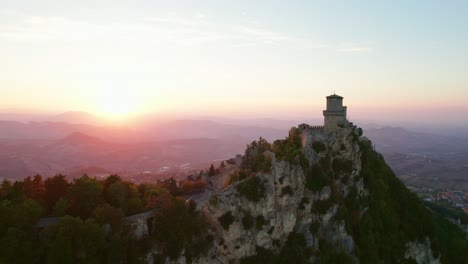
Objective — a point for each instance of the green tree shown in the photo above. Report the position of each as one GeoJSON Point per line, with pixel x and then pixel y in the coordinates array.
{"type": "Point", "coordinates": [61, 207]}
{"type": "Point", "coordinates": [212, 171]}
{"type": "Point", "coordinates": [132, 206]}
{"type": "Point", "coordinates": [73, 240]}
{"type": "Point", "coordinates": [84, 195]}
{"type": "Point", "coordinates": [112, 179]}
{"type": "Point", "coordinates": [253, 189]}
{"type": "Point", "coordinates": [5, 188]}
{"type": "Point", "coordinates": [21, 214]}
{"type": "Point", "coordinates": [55, 188]}
{"type": "Point", "coordinates": [18, 246]}
{"type": "Point", "coordinates": [178, 227]}
{"type": "Point", "coordinates": [17, 221]}
{"type": "Point", "coordinates": [116, 194]}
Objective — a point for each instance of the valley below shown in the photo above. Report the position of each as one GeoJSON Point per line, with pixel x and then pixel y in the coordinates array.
{"type": "Point", "coordinates": [425, 162]}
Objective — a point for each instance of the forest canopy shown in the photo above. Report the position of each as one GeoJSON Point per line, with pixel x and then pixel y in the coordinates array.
{"type": "Point", "coordinates": [81, 220]}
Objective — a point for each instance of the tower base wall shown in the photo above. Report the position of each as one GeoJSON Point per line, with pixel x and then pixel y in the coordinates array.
{"type": "Point", "coordinates": [332, 122]}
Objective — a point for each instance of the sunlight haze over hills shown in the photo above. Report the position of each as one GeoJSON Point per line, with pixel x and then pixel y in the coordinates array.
{"type": "Point", "coordinates": [117, 59]}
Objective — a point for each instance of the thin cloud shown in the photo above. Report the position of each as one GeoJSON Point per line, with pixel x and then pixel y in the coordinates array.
{"type": "Point", "coordinates": [354, 48]}
{"type": "Point", "coordinates": [177, 20]}
{"type": "Point", "coordinates": [196, 29]}
{"type": "Point", "coordinates": [263, 34]}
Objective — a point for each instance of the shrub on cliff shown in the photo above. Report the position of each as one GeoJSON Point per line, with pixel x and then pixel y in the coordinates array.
{"type": "Point", "coordinates": [254, 159]}
{"type": "Point", "coordinates": [290, 149]}
{"type": "Point", "coordinates": [237, 175]}
{"type": "Point", "coordinates": [226, 220]}
{"type": "Point", "coordinates": [247, 221]}
{"type": "Point", "coordinates": [318, 146]}
{"type": "Point", "coordinates": [317, 178]}
{"type": "Point", "coordinates": [252, 189]}
{"type": "Point", "coordinates": [342, 166]}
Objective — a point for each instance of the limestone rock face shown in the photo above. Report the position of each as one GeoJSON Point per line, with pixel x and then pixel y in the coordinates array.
{"type": "Point", "coordinates": [285, 212]}
{"type": "Point", "coordinates": [279, 212]}
{"type": "Point", "coordinates": [289, 206]}
{"type": "Point", "coordinates": [421, 252]}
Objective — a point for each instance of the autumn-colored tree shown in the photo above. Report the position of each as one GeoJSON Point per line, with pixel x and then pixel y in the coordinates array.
{"type": "Point", "coordinates": [107, 214]}
{"type": "Point", "coordinates": [189, 187]}
{"type": "Point", "coordinates": [34, 188]}
{"type": "Point", "coordinates": [154, 196]}
{"type": "Point", "coordinates": [171, 186]}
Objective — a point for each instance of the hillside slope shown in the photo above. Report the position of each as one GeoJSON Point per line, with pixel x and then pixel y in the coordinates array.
{"type": "Point", "coordinates": [324, 199]}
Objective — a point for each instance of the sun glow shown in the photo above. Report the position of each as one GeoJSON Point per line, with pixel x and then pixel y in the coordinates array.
{"type": "Point", "coordinates": [116, 103]}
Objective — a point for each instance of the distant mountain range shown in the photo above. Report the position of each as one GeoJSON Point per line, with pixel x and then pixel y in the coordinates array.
{"type": "Point", "coordinates": [73, 117]}
{"type": "Point", "coordinates": [48, 147]}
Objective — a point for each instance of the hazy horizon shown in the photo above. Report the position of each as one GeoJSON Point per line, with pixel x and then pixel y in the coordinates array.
{"type": "Point", "coordinates": [359, 115]}
{"type": "Point", "coordinates": [391, 61]}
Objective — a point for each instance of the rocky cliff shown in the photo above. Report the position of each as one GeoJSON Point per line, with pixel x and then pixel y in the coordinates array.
{"type": "Point", "coordinates": [322, 198]}
{"type": "Point", "coordinates": [288, 205]}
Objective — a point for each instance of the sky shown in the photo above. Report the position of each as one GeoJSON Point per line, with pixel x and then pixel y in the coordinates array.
{"type": "Point", "coordinates": [391, 59]}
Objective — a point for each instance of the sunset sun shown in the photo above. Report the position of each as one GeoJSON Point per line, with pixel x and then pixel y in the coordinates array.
{"type": "Point", "coordinates": [116, 103]}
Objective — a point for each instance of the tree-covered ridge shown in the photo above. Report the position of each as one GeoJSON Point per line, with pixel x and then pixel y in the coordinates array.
{"type": "Point", "coordinates": [89, 228]}
{"type": "Point", "coordinates": [396, 216]}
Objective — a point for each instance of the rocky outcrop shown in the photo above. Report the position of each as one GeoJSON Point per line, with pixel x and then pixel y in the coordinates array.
{"type": "Point", "coordinates": [287, 205]}
{"type": "Point", "coordinates": [421, 252]}
{"type": "Point", "coordinates": [292, 204]}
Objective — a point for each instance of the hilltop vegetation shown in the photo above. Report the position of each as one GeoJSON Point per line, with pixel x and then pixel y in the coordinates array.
{"type": "Point", "coordinates": [89, 228]}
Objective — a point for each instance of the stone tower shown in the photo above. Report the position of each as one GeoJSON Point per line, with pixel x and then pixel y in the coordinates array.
{"type": "Point", "coordinates": [335, 115]}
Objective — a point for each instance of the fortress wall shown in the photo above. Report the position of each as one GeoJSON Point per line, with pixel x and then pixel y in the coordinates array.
{"type": "Point", "coordinates": [331, 122]}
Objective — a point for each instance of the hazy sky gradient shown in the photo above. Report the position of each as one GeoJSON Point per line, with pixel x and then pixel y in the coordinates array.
{"type": "Point", "coordinates": [235, 57]}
